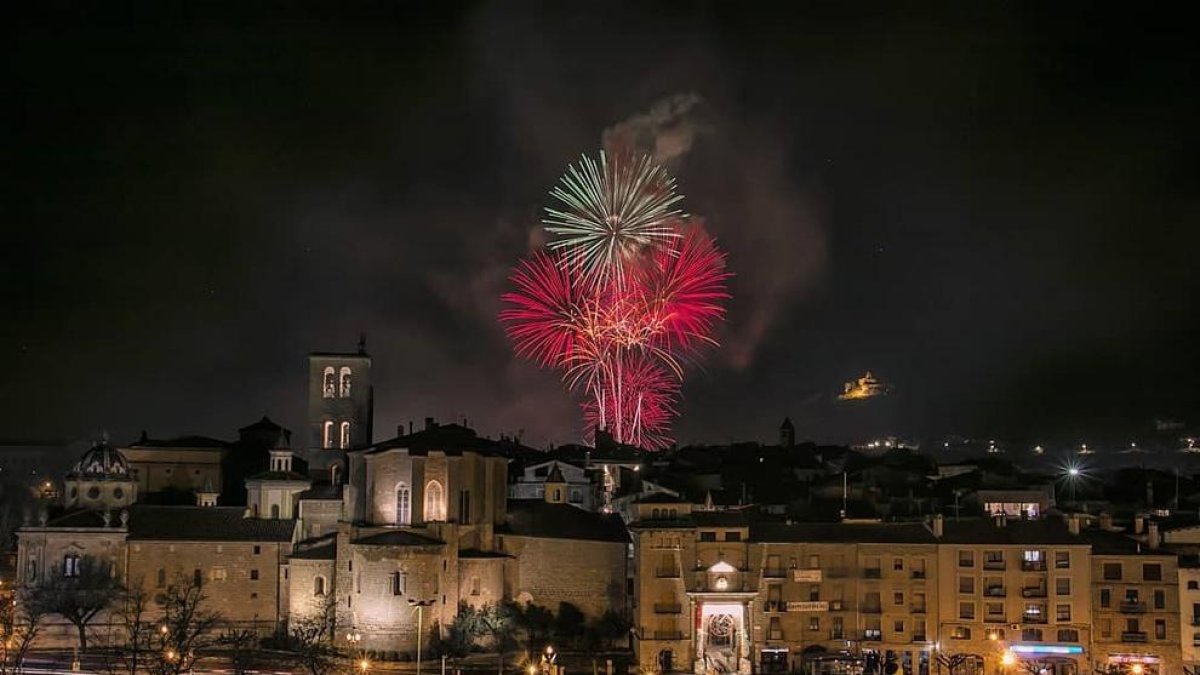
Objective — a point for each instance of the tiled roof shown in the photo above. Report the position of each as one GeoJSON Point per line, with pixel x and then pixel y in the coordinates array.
{"type": "Point", "coordinates": [192, 442]}
{"type": "Point", "coordinates": [280, 475]}
{"type": "Point", "coordinates": [185, 523]}
{"type": "Point", "coordinates": [397, 538]}
{"type": "Point", "coordinates": [866, 533]}
{"type": "Point", "coordinates": [324, 548]}
{"type": "Point", "coordinates": [1047, 531]}
{"type": "Point", "coordinates": [323, 492]}
{"type": "Point", "coordinates": [537, 518]}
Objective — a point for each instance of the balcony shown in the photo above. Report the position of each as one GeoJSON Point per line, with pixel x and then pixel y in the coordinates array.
{"type": "Point", "coordinates": [668, 635]}
{"type": "Point", "coordinates": [836, 605]}
{"type": "Point", "coordinates": [918, 574]}
{"type": "Point", "coordinates": [774, 573]}
{"type": "Point", "coordinates": [1133, 607]}
{"type": "Point", "coordinates": [994, 592]}
{"type": "Point", "coordinates": [872, 609]}
{"type": "Point", "coordinates": [993, 565]}
{"type": "Point", "coordinates": [835, 572]}
{"type": "Point", "coordinates": [872, 573]}
{"type": "Point", "coordinates": [667, 572]}
{"type": "Point", "coordinates": [871, 635]}
{"type": "Point", "coordinates": [917, 609]}
{"type": "Point", "coordinates": [667, 608]}
{"type": "Point", "coordinates": [1033, 592]}
{"type": "Point", "coordinates": [774, 606]}
{"type": "Point", "coordinates": [1133, 636]}
{"type": "Point", "coordinates": [1033, 565]}
{"type": "Point", "coordinates": [1036, 619]}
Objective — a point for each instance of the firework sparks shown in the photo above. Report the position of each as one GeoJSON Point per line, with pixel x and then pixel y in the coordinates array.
{"type": "Point", "coordinates": [627, 291]}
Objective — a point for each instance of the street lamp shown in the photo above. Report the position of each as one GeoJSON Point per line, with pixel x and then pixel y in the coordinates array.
{"type": "Point", "coordinates": [1008, 660]}
{"type": "Point", "coordinates": [419, 606]}
{"type": "Point", "coordinates": [363, 665]}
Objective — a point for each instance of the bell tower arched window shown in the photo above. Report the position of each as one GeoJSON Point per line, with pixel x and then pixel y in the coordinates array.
{"type": "Point", "coordinates": [328, 386]}
{"type": "Point", "coordinates": [403, 505]}
{"type": "Point", "coordinates": [344, 435]}
{"type": "Point", "coordinates": [344, 382]}
{"type": "Point", "coordinates": [327, 434]}
{"type": "Point", "coordinates": [435, 502]}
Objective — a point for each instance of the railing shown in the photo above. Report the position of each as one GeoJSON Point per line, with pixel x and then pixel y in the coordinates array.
{"type": "Point", "coordinates": [994, 592]}
{"type": "Point", "coordinates": [1033, 592]}
{"type": "Point", "coordinates": [836, 605]}
{"type": "Point", "coordinates": [872, 609]}
{"type": "Point", "coordinates": [1034, 618]}
{"type": "Point", "coordinates": [668, 635]}
{"type": "Point", "coordinates": [667, 608]}
{"type": "Point", "coordinates": [667, 572]}
{"type": "Point", "coordinates": [1133, 636]}
{"type": "Point", "coordinates": [995, 565]}
{"type": "Point", "coordinates": [918, 574]}
{"type": "Point", "coordinates": [1033, 565]}
{"type": "Point", "coordinates": [1133, 607]}
{"type": "Point", "coordinates": [774, 573]}
{"type": "Point", "coordinates": [917, 609]}
{"type": "Point", "coordinates": [872, 636]}
{"type": "Point", "coordinates": [872, 573]}
{"type": "Point", "coordinates": [775, 606]}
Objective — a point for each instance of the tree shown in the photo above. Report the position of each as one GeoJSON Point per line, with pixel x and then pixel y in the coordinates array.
{"type": "Point", "coordinates": [185, 627]}
{"type": "Point", "coordinates": [568, 624]}
{"type": "Point", "coordinates": [311, 639]}
{"type": "Point", "coordinates": [21, 620]}
{"type": "Point", "coordinates": [240, 645]}
{"type": "Point", "coordinates": [85, 587]}
{"type": "Point", "coordinates": [132, 640]}
{"type": "Point", "coordinates": [459, 635]}
{"type": "Point", "coordinates": [610, 627]}
{"type": "Point", "coordinates": [536, 621]}
{"type": "Point", "coordinates": [496, 621]}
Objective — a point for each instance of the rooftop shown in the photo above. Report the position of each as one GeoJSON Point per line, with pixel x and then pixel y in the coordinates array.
{"type": "Point", "coordinates": [537, 518]}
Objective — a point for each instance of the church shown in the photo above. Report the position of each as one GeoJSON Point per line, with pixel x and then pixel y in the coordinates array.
{"type": "Point", "coordinates": [373, 529]}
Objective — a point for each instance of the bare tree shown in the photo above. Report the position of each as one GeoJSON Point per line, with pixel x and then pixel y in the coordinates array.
{"type": "Point", "coordinates": [132, 641]}
{"type": "Point", "coordinates": [311, 639]}
{"type": "Point", "coordinates": [240, 645]}
{"type": "Point", "coordinates": [83, 589]}
{"type": "Point", "coordinates": [21, 620]}
{"type": "Point", "coordinates": [185, 627]}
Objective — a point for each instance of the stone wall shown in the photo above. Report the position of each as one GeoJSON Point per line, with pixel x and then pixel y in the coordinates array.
{"type": "Point", "coordinates": [587, 574]}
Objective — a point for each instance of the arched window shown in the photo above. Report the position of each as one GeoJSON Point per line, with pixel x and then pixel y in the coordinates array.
{"type": "Point", "coordinates": [275, 511]}
{"type": "Point", "coordinates": [403, 505]}
{"type": "Point", "coordinates": [344, 382]}
{"type": "Point", "coordinates": [344, 436]}
{"type": "Point", "coordinates": [335, 474]}
{"type": "Point", "coordinates": [435, 502]}
{"type": "Point", "coordinates": [319, 586]}
{"type": "Point", "coordinates": [327, 434]}
{"type": "Point", "coordinates": [328, 388]}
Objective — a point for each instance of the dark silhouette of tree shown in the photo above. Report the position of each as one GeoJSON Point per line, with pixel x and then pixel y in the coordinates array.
{"type": "Point", "coordinates": [241, 647]}
{"type": "Point", "coordinates": [21, 621]}
{"type": "Point", "coordinates": [536, 622]}
{"type": "Point", "coordinates": [81, 590]}
{"type": "Point", "coordinates": [311, 639]}
{"type": "Point", "coordinates": [132, 641]}
{"type": "Point", "coordinates": [569, 625]}
{"type": "Point", "coordinates": [612, 626]}
{"type": "Point", "coordinates": [184, 628]}
{"type": "Point", "coordinates": [496, 622]}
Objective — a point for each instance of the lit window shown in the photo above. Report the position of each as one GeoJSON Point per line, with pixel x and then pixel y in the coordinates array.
{"type": "Point", "coordinates": [344, 382]}
{"type": "Point", "coordinates": [71, 565]}
{"type": "Point", "coordinates": [344, 436]}
{"type": "Point", "coordinates": [435, 502]}
{"type": "Point", "coordinates": [328, 389]}
{"type": "Point", "coordinates": [403, 505]}
{"type": "Point", "coordinates": [327, 434]}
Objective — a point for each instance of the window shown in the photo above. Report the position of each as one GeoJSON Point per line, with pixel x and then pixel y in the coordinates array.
{"type": "Point", "coordinates": [327, 434]}
{"type": "Point", "coordinates": [399, 583]}
{"type": "Point", "coordinates": [1062, 586]}
{"type": "Point", "coordinates": [966, 585]}
{"type": "Point", "coordinates": [993, 560]}
{"type": "Point", "coordinates": [1033, 560]}
{"type": "Point", "coordinates": [966, 610]}
{"type": "Point", "coordinates": [1068, 635]}
{"type": "Point", "coordinates": [576, 496]}
{"type": "Point", "coordinates": [275, 512]}
{"type": "Point", "coordinates": [814, 593]}
{"type": "Point", "coordinates": [344, 382]}
{"type": "Point", "coordinates": [1106, 628]}
{"type": "Point", "coordinates": [836, 631]}
{"type": "Point", "coordinates": [217, 574]}
{"type": "Point", "coordinates": [435, 502]}
{"type": "Point", "coordinates": [966, 558]}
{"type": "Point", "coordinates": [464, 506]}
{"type": "Point", "coordinates": [1160, 599]}
{"type": "Point", "coordinates": [1062, 612]}
{"type": "Point", "coordinates": [319, 586]}
{"type": "Point", "coordinates": [257, 549]}
{"type": "Point", "coordinates": [960, 633]}
{"type": "Point", "coordinates": [898, 626]}
{"type": "Point", "coordinates": [403, 505]}
{"type": "Point", "coordinates": [995, 609]}
{"type": "Point", "coordinates": [1112, 571]}
{"type": "Point", "coordinates": [898, 564]}
{"type": "Point", "coordinates": [161, 580]}
{"type": "Point", "coordinates": [1062, 560]}
{"type": "Point", "coordinates": [897, 598]}
{"type": "Point", "coordinates": [70, 565]}
{"type": "Point", "coordinates": [1151, 572]}
{"type": "Point", "coordinates": [814, 624]}
{"type": "Point", "coordinates": [1031, 635]}
{"type": "Point", "coordinates": [197, 578]}
{"type": "Point", "coordinates": [872, 634]}
{"type": "Point", "coordinates": [327, 389]}
{"type": "Point", "coordinates": [1160, 629]}
{"type": "Point", "coordinates": [1193, 585]}
{"type": "Point", "coordinates": [253, 575]}
{"type": "Point", "coordinates": [1105, 597]}
{"type": "Point", "coordinates": [474, 585]}
{"type": "Point", "coordinates": [995, 634]}
{"type": "Point", "coordinates": [344, 436]}
{"type": "Point", "coordinates": [733, 536]}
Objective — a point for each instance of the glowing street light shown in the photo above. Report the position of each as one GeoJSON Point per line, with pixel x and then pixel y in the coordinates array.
{"type": "Point", "coordinates": [1008, 660]}
{"type": "Point", "coordinates": [1137, 669]}
{"type": "Point", "coordinates": [363, 665]}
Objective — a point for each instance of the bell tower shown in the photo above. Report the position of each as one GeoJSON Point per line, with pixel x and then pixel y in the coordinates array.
{"type": "Point", "coordinates": [340, 399]}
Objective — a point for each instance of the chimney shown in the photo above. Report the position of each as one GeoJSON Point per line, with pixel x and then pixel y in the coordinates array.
{"type": "Point", "coordinates": [410, 427]}
{"type": "Point", "coordinates": [938, 525]}
{"type": "Point", "coordinates": [429, 424]}
{"type": "Point", "coordinates": [1139, 523]}
{"type": "Point", "coordinates": [1105, 521]}
{"type": "Point", "coordinates": [400, 429]}
{"type": "Point", "coordinates": [1073, 523]}
{"type": "Point", "coordinates": [1152, 538]}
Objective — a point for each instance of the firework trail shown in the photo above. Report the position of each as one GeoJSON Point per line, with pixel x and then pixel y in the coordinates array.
{"type": "Point", "coordinates": [627, 293]}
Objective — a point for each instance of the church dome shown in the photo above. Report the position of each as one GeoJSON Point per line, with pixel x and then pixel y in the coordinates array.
{"type": "Point", "coordinates": [102, 462]}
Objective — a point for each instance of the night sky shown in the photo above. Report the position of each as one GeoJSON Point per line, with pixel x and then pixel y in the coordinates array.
{"type": "Point", "coordinates": [992, 208]}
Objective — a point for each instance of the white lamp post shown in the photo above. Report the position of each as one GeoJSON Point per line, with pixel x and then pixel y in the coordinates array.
{"type": "Point", "coordinates": [419, 606]}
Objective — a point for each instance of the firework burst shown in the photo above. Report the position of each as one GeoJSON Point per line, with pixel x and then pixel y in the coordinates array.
{"type": "Point", "coordinates": [625, 294]}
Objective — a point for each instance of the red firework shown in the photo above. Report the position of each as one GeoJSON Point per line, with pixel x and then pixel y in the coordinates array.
{"type": "Point", "coordinates": [621, 342]}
